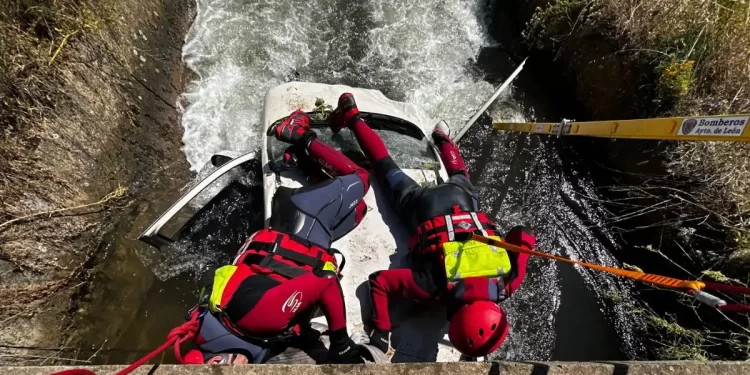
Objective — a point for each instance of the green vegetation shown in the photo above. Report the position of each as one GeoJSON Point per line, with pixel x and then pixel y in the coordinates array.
{"type": "Point", "coordinates": [676, 77]}
{"type": "Point", "coordinates": [551, 25]}
{"type": "Point", "coordinates": [719, 277]}
{"type": "Point", "coordinates": [673, 341]}
{"type": "Point", "coordinates": [322, 110]}
{"type": "Point", "coordinates": [631, 267]}
{"type": "Point", "coordinates": [612, 297]}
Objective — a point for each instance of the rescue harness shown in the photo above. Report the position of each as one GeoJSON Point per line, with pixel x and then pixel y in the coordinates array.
{"type": "Point", "coordinates": [464, 258]}
{"type": "Point", "coordinates": [284, 257]}
{"type": "Point", "coordinates": [276, 255]}
{"type": "Point", "coordinates": [432, 233]}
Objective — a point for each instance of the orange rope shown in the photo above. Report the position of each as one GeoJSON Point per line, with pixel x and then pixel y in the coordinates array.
{"type": "Point", "coordinates": [663, 281]}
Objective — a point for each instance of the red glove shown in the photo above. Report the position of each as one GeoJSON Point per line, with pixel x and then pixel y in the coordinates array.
{"type": "Point", "coordinates": [345, 114]}
{"type": "Point", "coordinates": [295, 129]}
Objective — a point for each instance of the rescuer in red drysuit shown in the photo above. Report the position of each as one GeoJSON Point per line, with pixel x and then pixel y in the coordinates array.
{"type": "Point", "coordinates": [284, 273]}
{"type": "Point", "coordinates": [439, 215]}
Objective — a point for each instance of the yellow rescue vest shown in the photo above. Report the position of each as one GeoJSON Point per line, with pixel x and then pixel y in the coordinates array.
{"type": "Point", "coordinates": [474, 259]}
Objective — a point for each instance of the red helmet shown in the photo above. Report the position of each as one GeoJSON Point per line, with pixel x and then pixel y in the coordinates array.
{"type": "Point", "coordinates": [478, 328]}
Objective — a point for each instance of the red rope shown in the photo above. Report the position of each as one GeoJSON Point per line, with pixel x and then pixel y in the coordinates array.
{"type": "Point", "coordinates": [727, 288]}
{"type": "Point", "coordinates": [735, 308]}
{"type": "Point", "coordinates": [730, 289]}
{"type": "Point", "coordinates": [175, 337]}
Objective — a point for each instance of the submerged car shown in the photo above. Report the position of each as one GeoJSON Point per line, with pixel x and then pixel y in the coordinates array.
{"type": "Point", "coordinates": [381, 240]}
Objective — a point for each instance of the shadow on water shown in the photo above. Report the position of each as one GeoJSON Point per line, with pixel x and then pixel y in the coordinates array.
{"type": "Point", "coordinates": [516, 173]}
{"type": "Point", "coordinates": [219, 228]}
{"type": "Point", "coordinates": [583, 332]}
{"type": "Point", "coordinates": [520, 181]}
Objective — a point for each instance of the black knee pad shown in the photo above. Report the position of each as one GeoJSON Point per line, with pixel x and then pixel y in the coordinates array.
{"type": "Point", "coordinates": [384, 165]}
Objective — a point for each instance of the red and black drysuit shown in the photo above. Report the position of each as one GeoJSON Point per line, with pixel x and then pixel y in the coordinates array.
{"type": "Point", "coordinates": [279, 280]}
{"type": "Point", "coordinates": [436, 214]}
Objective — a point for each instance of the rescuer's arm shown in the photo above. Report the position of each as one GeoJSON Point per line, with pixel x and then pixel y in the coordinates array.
{"type": "Point", "coordinates": [391, 283]}
{"type": "Point", "coordinates": [523, 237]}
{"type": "Point", "coordinates": [342, 349]}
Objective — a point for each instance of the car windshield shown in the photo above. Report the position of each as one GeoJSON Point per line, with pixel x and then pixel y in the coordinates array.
{"type": "Point", "coordinates": [406, 144]}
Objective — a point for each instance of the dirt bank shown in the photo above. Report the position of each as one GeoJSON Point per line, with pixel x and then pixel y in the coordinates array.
{"type": "Point", "coordinates": [87, 125]}
{"type": "Point", "coordinates": [677, 208]}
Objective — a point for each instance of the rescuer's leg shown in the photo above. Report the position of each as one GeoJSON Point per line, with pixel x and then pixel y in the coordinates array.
{"type": "Point", "coordinates": [401, 186]}
{"type": "Point", "coordinates": [326, 211]}
{"type": "Point", "coordinates": [449, 153]}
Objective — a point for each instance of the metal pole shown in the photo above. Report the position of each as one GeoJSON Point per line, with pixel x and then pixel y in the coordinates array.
{"type": "Point", "coordinates": [489, 102]}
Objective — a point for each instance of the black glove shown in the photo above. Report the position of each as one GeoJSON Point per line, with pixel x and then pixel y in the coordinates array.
{"type": "Point", "coordinates": [379, 339]}
{"type": "Point", "coordinates": [295, 129]}
{"type": "Point", "coordinates": [343, 349]}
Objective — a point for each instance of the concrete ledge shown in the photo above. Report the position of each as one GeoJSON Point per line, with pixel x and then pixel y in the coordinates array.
{"type": "Point", "coordinates": [489, 368]}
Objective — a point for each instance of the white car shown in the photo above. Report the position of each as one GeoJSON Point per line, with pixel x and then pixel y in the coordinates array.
{"type": "Point", "coordinates": [380, 241]}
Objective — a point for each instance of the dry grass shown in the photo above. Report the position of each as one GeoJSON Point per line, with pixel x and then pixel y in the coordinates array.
{"type": "Point", "coordinates": [699, 53]}
{"type": "Point", "coordinates": [686, 58]}
{"type": "Point", "coordinates": [86, 88]}
{"type": "Point", "coordinates": [702, 49]}
{"type": "Point", "coordinates": [36, 37]}
{"type": "Point", "coordinates": [47, 221]}
{"type": "Point", "coordinates": [27, 299]}
{"type": "Point", "coordinates": [118, 193]}
{"type": "Point", "coordinates": [33, 35]}
{"type": "Point", "coordinates": [699, 49]}
{"type": "Point", "coordinates": [723, 171]}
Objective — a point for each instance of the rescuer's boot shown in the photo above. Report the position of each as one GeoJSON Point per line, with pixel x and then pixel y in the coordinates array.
{"type": "Point", "coordinates": [345, 114]}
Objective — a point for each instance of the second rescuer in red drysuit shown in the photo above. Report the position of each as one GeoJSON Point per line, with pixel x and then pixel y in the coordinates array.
{"type": "Point", "coordinates": [284, 273]}
{"type": "Point", "coordinates": [470, 278]}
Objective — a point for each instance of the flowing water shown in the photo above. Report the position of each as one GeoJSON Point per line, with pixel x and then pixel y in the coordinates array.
{"type": "Point", "coordinates": [418, 51]}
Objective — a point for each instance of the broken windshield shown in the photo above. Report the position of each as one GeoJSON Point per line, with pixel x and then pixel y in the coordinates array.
{"type": "Point", "coordinates": [407, 145]}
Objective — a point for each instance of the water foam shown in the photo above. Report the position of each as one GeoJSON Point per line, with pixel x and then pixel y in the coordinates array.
{"type": "Point", "coordinates": [415, 51]}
